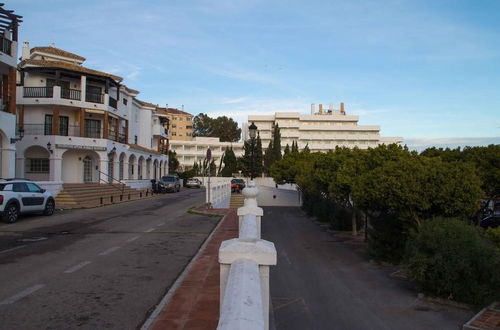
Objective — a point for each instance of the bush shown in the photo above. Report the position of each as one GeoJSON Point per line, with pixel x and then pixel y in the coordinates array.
{"type": "Point", "coordinates": [494, 236]}
{"type": "Point", "coordinates": [451, 259]}
{"type": "Point", "coordinates": [387, 237]}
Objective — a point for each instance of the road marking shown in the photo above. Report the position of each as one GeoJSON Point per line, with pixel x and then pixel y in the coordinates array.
{"type": "Point", "coordinates": [77, 267]}
{"type": "Point", "coordinates": [14, 248]}
{"type": "Point", "coordinates": [149, 230]}
{"type": "Point", "coordinates": [293, 301]}
{"type": "Point", "coordinates": [108, 251]}
{"type": "Point", "coordinates": [160, 224]}
{"type": "Point", "coordinates": [132, 239]}
{"type": "Point", "coordinates": [21, 294]}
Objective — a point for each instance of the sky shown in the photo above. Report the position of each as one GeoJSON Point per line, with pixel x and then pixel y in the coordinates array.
{"type": "Point", "coordinates": [424, 70]}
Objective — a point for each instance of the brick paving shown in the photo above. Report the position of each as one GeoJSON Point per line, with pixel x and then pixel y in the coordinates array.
{"type": "Point", "coordinates": [195, 302]}
{"type": "Point", "coordinates": [487, 319]}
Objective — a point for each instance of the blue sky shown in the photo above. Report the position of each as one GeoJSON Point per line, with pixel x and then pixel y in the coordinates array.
{"type": "Point", "coordinates": [428, 71]}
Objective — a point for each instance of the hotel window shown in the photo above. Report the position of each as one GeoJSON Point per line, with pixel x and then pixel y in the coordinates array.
{"type": "Point", "coordinates": [37, 165]}
{"type": "Point", "coordinates": [125, 101]}
{"type": "Point", "coordinates": [63, 125]}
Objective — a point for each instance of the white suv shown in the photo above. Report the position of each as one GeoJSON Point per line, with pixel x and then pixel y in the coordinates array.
{"type": "Point", "coordinates": [23, 196]}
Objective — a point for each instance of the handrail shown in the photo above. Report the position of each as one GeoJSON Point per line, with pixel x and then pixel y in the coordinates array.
{"type": "Point", "coordinates": [112, 178]}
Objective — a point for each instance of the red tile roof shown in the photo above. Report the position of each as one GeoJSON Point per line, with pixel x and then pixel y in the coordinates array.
{"type": "Point", "coordinates": [68, 66]}
{"type": "Point", "coordinates": [56, 51]}
{"type": "Point", "coordinates": [172, 111]}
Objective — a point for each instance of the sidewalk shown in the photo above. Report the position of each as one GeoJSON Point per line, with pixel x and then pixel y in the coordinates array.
{"type": "Point", "coordinates": [195, 302]}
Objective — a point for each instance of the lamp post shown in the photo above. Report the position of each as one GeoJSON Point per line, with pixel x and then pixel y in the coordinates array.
{"type": "Point", "coordinates": [209, 157]}
{"type": "Point", "coordinates": [252, 131]}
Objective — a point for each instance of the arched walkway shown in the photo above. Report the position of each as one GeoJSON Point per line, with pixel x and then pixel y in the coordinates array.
{"type": "Point", "coordinates": [121, 166]}
{"type": "Point", "coordinates": [36, 163]}
{"type": "Point", "coordinates": [132, 167]}
{"type": "Point", "coordinates": [80, 166]}
{"type": "Point", "coordinates": [140, 168]}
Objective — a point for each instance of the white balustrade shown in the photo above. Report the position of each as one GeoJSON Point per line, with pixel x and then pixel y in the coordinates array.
{"type": "Point", "coordinates": [219, 192]}
{"type": "Point", "coordinates": [244, 271]}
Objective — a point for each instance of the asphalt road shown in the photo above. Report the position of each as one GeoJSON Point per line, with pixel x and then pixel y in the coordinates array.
{"type": "Point", "coordinates": [103, 268]}
{"type": "Point", "coordinates": [325, 282]}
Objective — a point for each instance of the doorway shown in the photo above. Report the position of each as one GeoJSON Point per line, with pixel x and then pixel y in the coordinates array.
{"type": "Point", "coordinates": [87, 169]}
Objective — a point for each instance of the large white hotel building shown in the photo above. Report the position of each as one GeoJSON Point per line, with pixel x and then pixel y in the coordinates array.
{"type": "Point", "coordinates": [321, 130]}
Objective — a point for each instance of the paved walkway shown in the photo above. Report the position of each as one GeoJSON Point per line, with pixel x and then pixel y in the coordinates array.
{"type": "Point", "coordinates": [195, 302]}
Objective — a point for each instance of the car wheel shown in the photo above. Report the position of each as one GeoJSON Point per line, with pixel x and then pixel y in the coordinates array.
{"type": "Point", "coordinates": [11, 213]}
{"type": "Point", "coordinates": [49, 207]}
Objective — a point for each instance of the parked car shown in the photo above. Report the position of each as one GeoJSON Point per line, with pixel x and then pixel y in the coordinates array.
{"type": "Point", "coordinates": [490, 221]}
{"type": "Point", "coordinates": [20, 196]}
{"type": "Point", "coordinates": [170, 183]}
{"type": "Point", "coordinates": [193, 183]}
{"type": "Point", "coordinates": [237, 185]}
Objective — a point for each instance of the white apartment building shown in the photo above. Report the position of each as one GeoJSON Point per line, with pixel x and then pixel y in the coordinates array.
{"type": "Point", "coordinates": [194, 151]}
{"type": "Point", "coordinates": [320, 131]}
{"type": "Point", "coordinates": [82, 125]}
{"type": "Point", "coordinates": [9, 23]}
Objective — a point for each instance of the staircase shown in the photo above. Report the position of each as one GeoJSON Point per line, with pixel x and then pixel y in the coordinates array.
{"type": "Point", "coordinates": [78, 195]}
{"type": "Point", "coordinates": [236, 200]}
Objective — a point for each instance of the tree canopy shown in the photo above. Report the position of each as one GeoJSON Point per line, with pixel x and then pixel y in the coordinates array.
{"type": "Point", "coordinates": [222, 127]}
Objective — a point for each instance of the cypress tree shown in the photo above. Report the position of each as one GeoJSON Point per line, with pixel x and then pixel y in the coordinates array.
{"type": "Point", "coordinates": [276, 144]}
{"type": "Point", "coordinates": [268, 157]}
{"type": "Point", "coordinates": [287, 150]}
{"type": "Point", "coordinates": [258, 157]}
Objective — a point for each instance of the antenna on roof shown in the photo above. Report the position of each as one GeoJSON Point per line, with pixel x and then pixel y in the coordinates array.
{"type": "Point", "coordinates": [53, 44]}
{"type": "Point", "coordinates": [183, 107]}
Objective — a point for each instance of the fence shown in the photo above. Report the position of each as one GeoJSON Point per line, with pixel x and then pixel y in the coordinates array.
{"type": "Point", "coordinates": [244, 271]}
{"type": "Point", "coordinates": [219, 194]}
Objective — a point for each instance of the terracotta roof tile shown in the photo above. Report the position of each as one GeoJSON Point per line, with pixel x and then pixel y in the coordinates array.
{"type": "Point", "coordinates": [130, 90]}
{"type": "Point", "coordinates": [173, 111]}
{"type": "Point", "coordinates": [68, 66]}
{"type": "Point", "coordinates": [57, 51]}
{"type": "Point", "coordinates": [140, 148]}
{"type": "Point", "coordinates": [146, 104]}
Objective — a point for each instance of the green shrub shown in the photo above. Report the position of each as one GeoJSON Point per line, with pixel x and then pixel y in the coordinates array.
{"type": "Point", "coordinates": [387, 238]}
{"type": "Point", "coordinates": [494, 236]}
{"type": "Point", "coordinates": [451, 259]}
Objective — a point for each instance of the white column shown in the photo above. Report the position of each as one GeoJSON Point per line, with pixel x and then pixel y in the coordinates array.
{"type": "Point", "coordinates": [125, 170]}
{"type": "Point", "coordinates": [55, 168]}
{"type": "Point", "coordinates": [9, 162]}
{"type": "Point", "coordinates": [103, 167]}
{"type": "Point", "coordinates": [83, 86]}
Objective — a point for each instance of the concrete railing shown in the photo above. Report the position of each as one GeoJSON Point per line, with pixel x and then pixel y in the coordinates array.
{"type": "Point", "coordinates": [219, 193]}
{"type": "Point", "coordinates": [244, 271]}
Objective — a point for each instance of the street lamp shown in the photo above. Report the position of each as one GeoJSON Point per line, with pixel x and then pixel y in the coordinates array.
{"type": "Point", "coordinates": [252, 131]}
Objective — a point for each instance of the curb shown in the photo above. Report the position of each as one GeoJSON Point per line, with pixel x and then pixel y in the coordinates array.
{"type": "Point", "coordinates": [166, 299]}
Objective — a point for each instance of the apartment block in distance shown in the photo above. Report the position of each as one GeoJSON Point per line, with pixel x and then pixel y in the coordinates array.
{"type": "Point", "coordinates": [9, 23]}
{"type": "Point", "coordinates": [180, 124]}
{"type": "Point", "coordinates": [321, 130]}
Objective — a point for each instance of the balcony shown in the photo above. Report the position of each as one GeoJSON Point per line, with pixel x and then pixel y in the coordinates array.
{"type": "Point", "coordinates": [94, 97]}
{"type": "Point", "coordinates": [71, 94]}
{"type": "Point", "coordinates": [38, 92]}
{"type": "Point", "coordinates": [6, 46]}
{"type": "Point", "coordinates": [71, 130]}
{"type": "Point", "coordinates": [120, 137]}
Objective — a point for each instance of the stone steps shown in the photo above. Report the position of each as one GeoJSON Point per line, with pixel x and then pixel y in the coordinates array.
{"type": "Point", "coordinates": [93, 194]}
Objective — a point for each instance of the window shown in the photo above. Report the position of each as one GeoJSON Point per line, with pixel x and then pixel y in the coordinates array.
{"type": "Point", "coordinates": [37, 165]}
{"type": "Point", "coordinates": [63, 84]}
{"type": "Point", "coordinates": [33, 187]}
{"type": "Point", "coordinates": [63, 125]}
{"type": "Point", "coordinates": [19, 187]}
{"type": "Point", "coordinates": [92, 128]}
{"type": "Point", "coordinates": [135, 140]}
{"type": "Point", "coordinates": [174, 125]}
{"type": "Point", "coordinates": [125, 101]}
{"type": "Point", "coordinates": [174, 133]}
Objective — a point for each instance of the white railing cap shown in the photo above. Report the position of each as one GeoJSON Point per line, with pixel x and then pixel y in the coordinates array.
{"type": "Point", "coordinates": [261, 251]}
{"type": "Point", "coordinates": [255, 210]}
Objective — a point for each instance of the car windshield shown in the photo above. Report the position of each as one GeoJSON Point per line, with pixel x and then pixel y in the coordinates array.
{"type": "Point", "coordinates": [237, 181]}
{"type": "Point", "coordinates": [168, 179]}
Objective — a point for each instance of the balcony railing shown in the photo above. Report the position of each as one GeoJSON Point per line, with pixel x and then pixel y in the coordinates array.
{"type": "Point", "coordinates": [38, 92]}
{"type": "Point", "coordinates": [41, 129]}
{"type": "Point", "coordinates": [71, 94]}
{"type": "Point", "coordinates": [6, 46]}
{"type": "Point", "coordinates": [113, 103]}
{"type": "Point", "coordinates": [94, 97]}
{"type": "Point", "coordinates": [120, 138]}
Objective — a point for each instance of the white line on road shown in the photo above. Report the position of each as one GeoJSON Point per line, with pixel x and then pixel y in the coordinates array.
{"type": "Point", "coordinates": [285, 255]}
{"type": "Point", "coordinates": [132, 239]}
{"type": "Point", "coordinates": [149, 230]}
{"type": "Point", "coordinates": [108, 251]}
{"type": "Point", "coordinates": [21, 294]}
{"type": "Point", "coordinates": [77, 267]}
{"type": "Point", "coordinates": [14, 248]}
{"type": "Point", "coordinates": [160, 224]}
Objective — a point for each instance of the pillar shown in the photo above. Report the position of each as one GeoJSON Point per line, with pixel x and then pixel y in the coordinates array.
{"type": "Point", "coordinates": [83, 87]}
{"type": "Point", "coordinates": [55, 120]}
{"type": "Point", "coordinates": [12, 91]}
{"type": "Point", "coordinates": [55, 168]}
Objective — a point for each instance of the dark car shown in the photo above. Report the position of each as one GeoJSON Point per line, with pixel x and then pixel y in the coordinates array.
{"type": "Point", "coordinates": [490, 221]}
{"type": "Point", "coordinates": [237, 185]}
{"type": "Point", "coordinates": [170, 183]}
